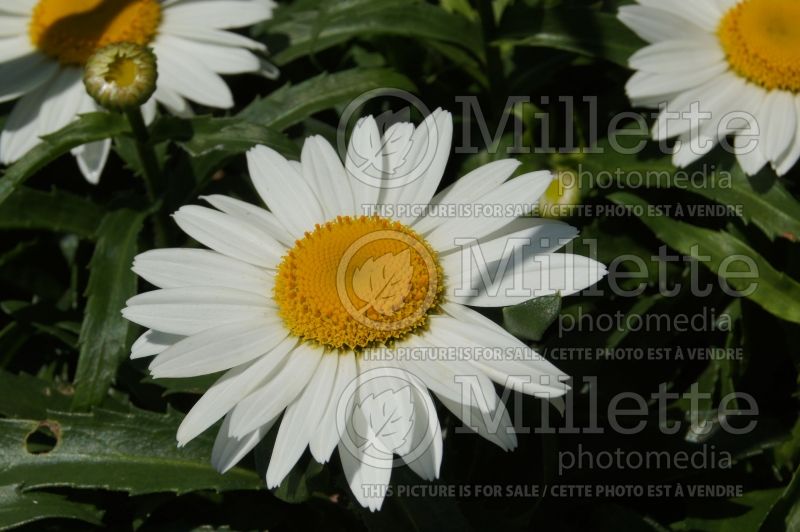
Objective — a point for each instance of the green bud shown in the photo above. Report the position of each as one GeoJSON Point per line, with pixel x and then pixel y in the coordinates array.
{"type": "Point", "coordinates": [121, 76]}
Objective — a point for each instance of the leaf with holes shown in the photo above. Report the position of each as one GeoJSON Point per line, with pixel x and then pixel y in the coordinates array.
{"type": "Point", "coordinates": [133, 452]}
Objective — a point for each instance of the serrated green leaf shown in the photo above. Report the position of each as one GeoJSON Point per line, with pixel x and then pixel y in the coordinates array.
{"type": "Point", "coordinates": [312, 30]}
{"type": "Point", "coordinates": [583, 31]}
{"type": "Point", "coordinates": [133, 452]}
{"type": "Point", "coordinates": [87, 128]}
{"type": "Point", "coordinates": [104, 334]}
{"type": "Point", "coordinates": [761, 200]}
{"type": "Point", "coordinates": [774, 291]}
{"type": "Point", "coordinates": [18, 508]}
{"type": "Point", "coordinates": [292, 104]}
{"type": "Point", "coordinates": [56, 210]}
{"type": "Point", "coordinates": [25, 396]}
{"type": "Point", "coordinates": [531, 319]}
{"type": "Point", "coordinates": [233, 135]}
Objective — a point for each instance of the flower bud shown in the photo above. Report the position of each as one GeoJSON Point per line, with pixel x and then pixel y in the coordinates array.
{"type": "Point", "coordinates": [121, 76]}
{"type": "Point", "coordinates": [560, 198]}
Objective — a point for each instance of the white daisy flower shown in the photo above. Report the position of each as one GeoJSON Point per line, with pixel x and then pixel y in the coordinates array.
{"type": "Point", "coordinates": [314, 310]}
{"type": "Point", "coordinates": [45, 43]}
{"type": "Point", "coordinates": [730, 56]}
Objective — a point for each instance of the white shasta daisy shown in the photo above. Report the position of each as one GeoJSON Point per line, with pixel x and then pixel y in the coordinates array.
{"type": "Point", "coordinates": [730, 56]}
{"type": "Point", "coordinates": [313, 309]}
{"type": "Point", "coordinates": [45, 43]}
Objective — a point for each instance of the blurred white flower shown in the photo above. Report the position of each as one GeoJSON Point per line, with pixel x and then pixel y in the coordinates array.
{"type": "Point", "coordinates": [45, 43]}
{"type": "Point", "coordinates": [730, 56]}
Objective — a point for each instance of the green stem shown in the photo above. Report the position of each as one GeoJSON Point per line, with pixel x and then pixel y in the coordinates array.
{"type": "Point", "coordinates": [150, 171]}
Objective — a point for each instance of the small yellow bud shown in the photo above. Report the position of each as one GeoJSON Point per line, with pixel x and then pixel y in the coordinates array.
{"type": "Point", "coordinates": [561, 197]}
{"type": "Point", "coordinates": [121, 76]}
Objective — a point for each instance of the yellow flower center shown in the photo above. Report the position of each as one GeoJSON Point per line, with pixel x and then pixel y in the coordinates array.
{"type": "Point", "coordinates": [761, 39]}
{"type": "Point", "coordinates": [72, 30]}
{"type": "Point", "coordinates": [122, 71]}
{"type": "Point", "coordinates": [358, 282]}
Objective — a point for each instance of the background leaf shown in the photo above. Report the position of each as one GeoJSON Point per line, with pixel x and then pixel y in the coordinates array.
{"type": "Point", "coordinates": [105, 333]}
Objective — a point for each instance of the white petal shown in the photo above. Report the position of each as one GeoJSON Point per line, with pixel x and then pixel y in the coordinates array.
{"type": "Point", "coordinates": [531, 236]}
{"type": "Point", "coordinates": [654, 25]}
{"type": "Point", "coordinates": [194, 309]}
{"type": "Point", "coordinates": [25, 74]}
{"type": "Point", "coordinates": [379, 392]}
{"type": "Point", "coordinates": [284, 191]}
{"type": "Point", "coordinates": [152, 343]}
{"type": "Point", "coordinates": [229, 235]}
{"type": "Point", "coordinates": [468, 190]}
{"type": "Point", "coordinates": [426, 438]}
{"type": "Point", "coordinates": [792, 154]}
{"type": "Point", "coordinates": [301, 421]}
{"type": "Point", "coordinates": [365, 139]}
{"type": "Point", "coordinates": [228, 451]}
{"type": "Point", "coordinates": [780, 127]}
{"type": "Point", "coordinates": [210, 35]}
{"type": "Point", "coordinates": [678, 55]}
{"type": "Point", "coordinates": [495, 427]}
{"type": "Point", "coordinates": [45, 110]}
{"type": "Point", "coordinates": [513, 283]}
{"type": "Point", "coordinates": [492, 334]}
{"type": "Point", "coordinates": [520, 193]}
{"type": "Point", "coordinates": [189, 77]}
{"type": "Point", "coordinates": [649, 86]}
{"type": "Point", "coordinates": [218, 13]}
{"type": "Point", "coordinates": [324, 440]}
{"type": "Point", "coordinates": [428, 164]}
{"type": "Point", "coordinates": [504, 369]}
{"type": "Point", "coordinates": [455, 379]}
{"type": "Point", "coordinates": [219, 349]}
{"type": "Point", "coordinates": [231, 388]}
{"type": "Point", "coordinates": [219, 59]}
{"type": "Point", "coordinates": [175, 268]}
{"type": "Point", "coordinates": [704, 13]}
{"type": "Point", "coordinates": [368, 481]}
{"type": "Point", "coordinates": [13, 25]}
{"type": "Point", "coordinates": [14, 47]}
{"type": "Point", "coordinates": [749, 148]}
{"type": "Point", "coordinates": [92, 159]}
{"type": "Point", "coordinates": [275, 395]}
{"type": "Point", "coordinates": [751, 159]}
{"type": "Point", "coordinates": [18, 7]}
{"type": "Point", "coordinates": [252, 214]}
{"type": "Point", "coordinates": [174, 102]}
{"type": "Point", "coordinates": [323, 170]}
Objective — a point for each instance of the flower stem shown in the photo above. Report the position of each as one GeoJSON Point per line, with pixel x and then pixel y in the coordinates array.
{"type": "Point", "coordinates": [149, 166]}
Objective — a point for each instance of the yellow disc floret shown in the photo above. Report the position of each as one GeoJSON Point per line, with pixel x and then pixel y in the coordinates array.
{"type": "Point", "coordinates": [358, 282]}
{"type": "Point", "coordinates": [72, 30]}
{"type": "Point", "coordinates": [761, 39]}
